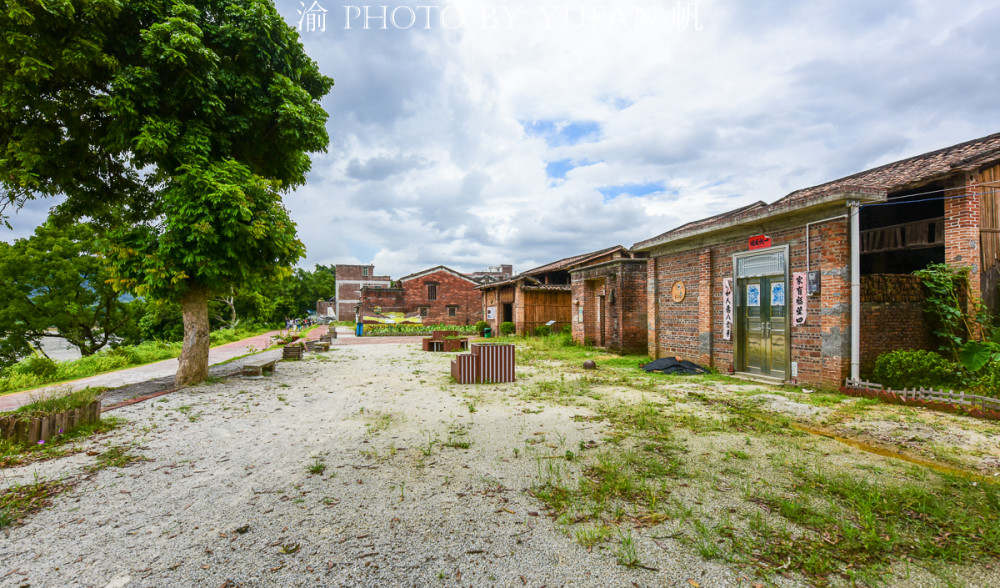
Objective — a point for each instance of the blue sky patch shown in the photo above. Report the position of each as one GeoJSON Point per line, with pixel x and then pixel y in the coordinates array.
{"type": "Point", "coordinates": [558, 169]}
{"type": "Point", "coordinates": [611, 192]}
{"type": "Point", "coordinates": [560, 133]}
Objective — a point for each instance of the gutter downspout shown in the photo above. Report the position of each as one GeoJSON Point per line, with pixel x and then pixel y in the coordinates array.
{"type": "Point", "coordinates": [808, 232]}
{"type": "Point", "coordinates": [855, 289]}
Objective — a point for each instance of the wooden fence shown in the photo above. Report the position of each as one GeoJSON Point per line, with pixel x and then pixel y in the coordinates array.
{"type": "Point", "coordinates": [34, 429]}
{"type": "Point", "coordinates": [973, 403]}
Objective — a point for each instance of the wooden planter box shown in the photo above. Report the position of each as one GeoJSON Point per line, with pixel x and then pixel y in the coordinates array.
{"type": "Point", "coordinates": [31, 430]}
{"type": "Point", "coordinates": [292, 352]}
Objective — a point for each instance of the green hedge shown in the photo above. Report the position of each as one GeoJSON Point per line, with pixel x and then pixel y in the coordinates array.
{"type": "Point", "coordinates": [914, 368]}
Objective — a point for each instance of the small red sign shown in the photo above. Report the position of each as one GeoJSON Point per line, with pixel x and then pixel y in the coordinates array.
{"type": "Point", "coordinates": [759, 242]}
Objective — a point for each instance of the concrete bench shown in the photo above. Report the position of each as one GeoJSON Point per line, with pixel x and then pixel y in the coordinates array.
{"type": "Point", "coordinates": [319, 346]}
{"type": "Point", "coordinates": [257, 367]}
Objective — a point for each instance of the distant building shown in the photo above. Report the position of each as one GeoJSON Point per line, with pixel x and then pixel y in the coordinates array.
{"type": "Point", "coordinates": [347, 292]}
{"type": "Point", "coordinates": [438, 295]}
{"type": "Point", "coordinates": [541, 295]}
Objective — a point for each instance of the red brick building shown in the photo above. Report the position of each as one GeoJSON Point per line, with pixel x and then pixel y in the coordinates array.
{"type": "Point", "coordinates": [609, 304]}
{"type": "Point", "coordinates": [439, 295]}
{"type": "Point", "coordinates": [540, 295]}
{"type": "Point", "coordinates": [767, 289]}
{"type": "Point", "coordinates": [347, 292]}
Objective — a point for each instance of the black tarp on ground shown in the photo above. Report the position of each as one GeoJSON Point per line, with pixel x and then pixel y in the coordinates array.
{"type": "Point", "coordinates": [671, 365]}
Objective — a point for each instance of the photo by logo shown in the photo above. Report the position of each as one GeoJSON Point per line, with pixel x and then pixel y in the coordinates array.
{"type": "Point", "coordinates": [312, 18]}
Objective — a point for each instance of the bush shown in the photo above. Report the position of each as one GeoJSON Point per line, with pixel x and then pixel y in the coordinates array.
{"type": "Point", "coordinates": [914, 368]}
{"type": "Point", "coordinates": [507, 328]}
{"type": "Point", "coordinates": [543, 331]}
{"type": "Point", "coordinates": [481, 327]}
{"type": "Point", "coordinates": [988, 382]}
{"type": "Point", "coordinates": [36, 365]}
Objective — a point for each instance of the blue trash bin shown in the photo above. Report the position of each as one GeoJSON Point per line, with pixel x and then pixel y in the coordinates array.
{"type": "Point", "coordinates": [359, 329]}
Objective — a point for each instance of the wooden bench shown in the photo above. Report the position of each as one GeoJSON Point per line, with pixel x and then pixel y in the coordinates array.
{"type": "Point", "coordinates": [445, 341]}
{"type": "Point", "coordinates": [257, 367]}
{"type": "Point", "coordinates": [292, 352]}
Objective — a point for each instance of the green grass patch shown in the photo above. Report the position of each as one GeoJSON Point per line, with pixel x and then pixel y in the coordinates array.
{"type": "Point", "coordinates": [53, 403]}
{"type": "Point", "coordinates": [869, 524]}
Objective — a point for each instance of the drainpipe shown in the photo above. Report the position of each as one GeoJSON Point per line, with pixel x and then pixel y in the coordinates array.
{"type": "Point", "coordinates": [855, 289]}
{"type": "Point", "coordinates": [808, 232]}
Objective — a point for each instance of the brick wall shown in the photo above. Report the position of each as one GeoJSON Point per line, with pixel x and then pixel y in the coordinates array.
{"type": "Point", "coordinates": [692, 328]}
{"type": "Point", "coordinates": [892, 317]}
{"type": "Point", "coordinates": [452, 291]}
{"type": "Point", "coordinates": [350, 280]}
{"type": "Point", "coordinates": [622, 284]}
{"type": "Point", "coordinates": [961, 233]}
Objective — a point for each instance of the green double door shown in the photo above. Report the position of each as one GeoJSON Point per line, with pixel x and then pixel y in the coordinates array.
{"type": "Point", "coordinates": [763, 310]}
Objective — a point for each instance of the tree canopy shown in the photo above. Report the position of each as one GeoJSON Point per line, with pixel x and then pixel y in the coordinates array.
{"type": "Point", "coordinates": [176, 125]}
{"type": "Point", "coordinates": [54, 280]}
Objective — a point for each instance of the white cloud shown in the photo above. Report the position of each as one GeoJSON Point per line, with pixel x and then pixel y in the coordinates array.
{"type": "Point", "coordinates": [429, 165]}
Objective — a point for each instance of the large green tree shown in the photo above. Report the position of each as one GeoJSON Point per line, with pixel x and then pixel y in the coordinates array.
{"type": "Point", "coordinates": [178, 125]}
{"type": "Point", "coordinates": [53, 285]}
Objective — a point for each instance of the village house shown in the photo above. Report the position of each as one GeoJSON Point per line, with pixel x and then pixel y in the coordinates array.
{"type": "Point", "coordinates": [439, 295]}
{"type": "Point", "coordinates": [816, 285]}
{"type": "Point", "coordinates": [347, 291]}
{"type": "Point", "coordinates": [541, 295]}
{"type": "Point", "coordinates": [609, 304]}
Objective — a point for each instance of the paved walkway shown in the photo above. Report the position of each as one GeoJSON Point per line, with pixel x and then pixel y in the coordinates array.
{"type": "Point", "coordinates": [150, 371]}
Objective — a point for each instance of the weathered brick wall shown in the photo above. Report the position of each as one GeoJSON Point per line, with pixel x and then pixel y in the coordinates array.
{"type": "Point", "coordinates": [892, 317]}
{"type": "Point", "coordinates": [692, 329]}
{"type": "Point", "coordinates": [387, 299]}
{"type": "Point", "coordinates": [350, 280]}
{"type": "Point", "coordinates": [452, 291]}
{"type": "Point", "coordinates": [622, 283]}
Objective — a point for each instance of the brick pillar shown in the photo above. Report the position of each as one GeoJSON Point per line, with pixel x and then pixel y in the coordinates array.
{"type": "Point", "coordinates": [705, 307]}
{"type": "Point", "coordinates": [961, 234]}
{"type": "Point", "coordinates": [835, 302]}
{"type": "Point", "coordinates": [652, 313]}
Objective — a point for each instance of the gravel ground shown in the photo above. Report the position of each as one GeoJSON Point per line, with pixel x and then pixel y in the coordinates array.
{"type": "Point", "coordinates": [350, 469]}
{"type": "Point", "coordinates": [225, 495]}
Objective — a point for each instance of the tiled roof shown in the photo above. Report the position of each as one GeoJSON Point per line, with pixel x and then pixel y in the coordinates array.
{"type": "Point", "coordinates": [550, 287]}
{"type": "Point", "coordinates": [562, 264]}
{"type": "Point", "coordinates": [872, 184]}
{"type": "Point", "coordinates": [438, 268]}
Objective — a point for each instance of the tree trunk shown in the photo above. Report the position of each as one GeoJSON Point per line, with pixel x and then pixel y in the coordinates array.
{"type": "Point", "coordinates": [194, 353]}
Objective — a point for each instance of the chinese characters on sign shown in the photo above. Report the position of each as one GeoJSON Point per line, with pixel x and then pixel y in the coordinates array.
{"type": "Point", "coordinates": [799, 297]}
{"type": "Point", "coordinates": [727, 309]}
{"type": "Point", "coordinates": [759, 242]}
{"type": "Point", "coordinates": [491, 313]}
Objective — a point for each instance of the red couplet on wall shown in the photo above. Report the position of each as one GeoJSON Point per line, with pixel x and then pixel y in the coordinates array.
{"type": "Point", "coordinates": [759, 242]}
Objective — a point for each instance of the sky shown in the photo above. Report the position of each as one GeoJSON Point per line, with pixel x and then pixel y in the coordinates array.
{"type": "Point", "coordinates": [473, 134]}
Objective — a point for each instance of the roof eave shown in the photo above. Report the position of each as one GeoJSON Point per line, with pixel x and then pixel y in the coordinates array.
{"type": "Point", "coordinates": [823, 201]}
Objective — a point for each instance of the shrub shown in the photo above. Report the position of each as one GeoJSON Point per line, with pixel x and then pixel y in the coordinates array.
{"type": "Point", "coordinates": [481, 327]}
{"type": "Point", "coordinates": [507, 328]}
{"type": "Point", "coordinates": [914, 368]}
{"type": "Point", "coordinates": [988, 382]}
{"type": "Point", "coordinates": [36, 365]}
{"type": "Point", "coordinates": [543, 331]}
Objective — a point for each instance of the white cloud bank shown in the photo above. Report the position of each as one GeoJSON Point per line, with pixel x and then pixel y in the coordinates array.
{"type": "Point", "coordinates": [493, 132]}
